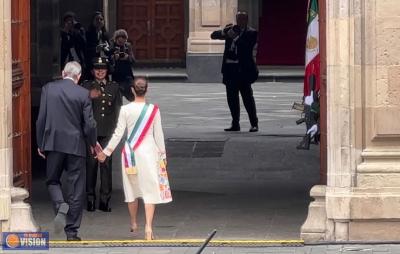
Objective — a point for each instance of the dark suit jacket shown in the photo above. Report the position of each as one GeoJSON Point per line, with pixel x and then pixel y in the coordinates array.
{"type": "Point", "coordinates": [65, 118]}
{"type": "Point", "coordinates": [247, 67]}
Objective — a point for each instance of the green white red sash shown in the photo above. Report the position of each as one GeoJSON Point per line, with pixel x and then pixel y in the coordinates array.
{"type": "Point", "coordinates": [137, 135]}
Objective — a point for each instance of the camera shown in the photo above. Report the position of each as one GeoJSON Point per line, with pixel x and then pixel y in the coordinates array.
{"type": "Point", "coordinates": [77, 25]}
{"type": "Point", "coordinates": [103, 47]}
{"type": "Point", "coordinates": [232, 29]}
{"type": "Point", "coordinates": [121, 50]}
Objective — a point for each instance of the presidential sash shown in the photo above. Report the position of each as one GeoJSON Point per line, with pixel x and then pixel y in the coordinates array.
{"type": "Point", "coordinates": [137, 135]}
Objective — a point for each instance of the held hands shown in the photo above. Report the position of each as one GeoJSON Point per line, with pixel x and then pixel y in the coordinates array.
{"type": "Point", "coordinates": [101, 157]}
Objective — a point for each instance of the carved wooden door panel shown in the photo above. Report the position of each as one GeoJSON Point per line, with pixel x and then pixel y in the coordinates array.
{"type": "Point", "coordinates": [134, 17]}
{"type": "Point", "coordinates": [156, 28]}
{"type": "Point", "coordinates": [21, 103]}
{"type": "Point", "coordinates": [168, 30]}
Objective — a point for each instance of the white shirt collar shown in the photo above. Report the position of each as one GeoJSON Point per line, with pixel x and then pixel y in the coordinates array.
{"type": "Point", "coordinates": [69, 78]}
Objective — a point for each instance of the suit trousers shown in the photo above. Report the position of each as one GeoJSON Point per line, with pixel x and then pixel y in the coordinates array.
{"type": "Point", "coordinates": [234, 86]}
{"type": "Point", "coordinates": [74, 167]}
{"type": "Point", "coordinates": [93, 166]}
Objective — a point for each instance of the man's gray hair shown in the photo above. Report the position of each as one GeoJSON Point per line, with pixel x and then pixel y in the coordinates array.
{"type": "Point", "coordinates": [72, 69]}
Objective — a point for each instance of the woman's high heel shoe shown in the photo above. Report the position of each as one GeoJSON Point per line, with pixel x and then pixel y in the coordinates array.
{"type": "Point", "coordinates": [134, 231]}
{"type": "Point", "coordinates": [149, 235]}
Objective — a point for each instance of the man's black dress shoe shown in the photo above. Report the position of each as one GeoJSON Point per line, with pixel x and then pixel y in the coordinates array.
{"type": "Point", "coordinates": [105, 207]}
{"type": "Point", "coordinates": [233, 128]}
{"type": "Point", "coordinates": [253, 129]}
{"type": "Point", "coordinates": [91, 206]}
{"type": "Point", "coordinates": [73, 238]}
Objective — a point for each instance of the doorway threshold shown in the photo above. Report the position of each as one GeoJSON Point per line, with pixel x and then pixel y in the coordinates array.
{"type": "Point", "coordinates": [176, 243]}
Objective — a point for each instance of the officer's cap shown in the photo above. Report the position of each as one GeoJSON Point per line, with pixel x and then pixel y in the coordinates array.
{"type": "Point", "coordinates": [100, 63]}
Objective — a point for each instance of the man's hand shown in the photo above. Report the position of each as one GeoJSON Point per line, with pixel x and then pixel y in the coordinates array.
{"type": "Point", "coordinates": [95, 93]}
{"type": "Point", "coordinates": [101, 157]}
{"type": "Point", "coordinates": [41, 154]}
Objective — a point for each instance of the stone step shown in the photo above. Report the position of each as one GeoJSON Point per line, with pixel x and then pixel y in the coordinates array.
{"type": "Point", "coordinates": [267, 74]}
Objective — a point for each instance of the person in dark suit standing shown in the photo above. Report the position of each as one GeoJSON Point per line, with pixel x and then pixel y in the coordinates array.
{"type": "Point", "coordinates": [64, 125]}
{"type": "Point", "coordinates": [239, 69]}
{"type": "Point", "coordinates": [97, 42]}
{"type": "Point", "coordinates": [107, 101]}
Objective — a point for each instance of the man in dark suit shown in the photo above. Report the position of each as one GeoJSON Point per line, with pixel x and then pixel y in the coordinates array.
{"type": "Point", "coordinates": [239, 69]}
{"type": "Point", "coordinates": [107, 102]}
{"type": "Point", "coordinates": [64, 125]}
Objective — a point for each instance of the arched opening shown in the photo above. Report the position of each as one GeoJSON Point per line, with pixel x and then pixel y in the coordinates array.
{"type": "Point", "coordinates": [247, 186]}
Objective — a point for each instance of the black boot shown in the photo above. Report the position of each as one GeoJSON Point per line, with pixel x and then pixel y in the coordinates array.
{"type": "Point", "coordinates": [91, 205]}
{"type": "Point", "coordinates": [104, 206]}
{"type": "Point", "coordinates": [305, 143]}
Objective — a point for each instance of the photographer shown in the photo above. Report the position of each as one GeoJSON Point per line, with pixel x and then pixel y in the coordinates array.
{"type": "Point", "coordinates": [98, 43]}
{"type": "Point", "coordinates": [122, 59]}
{"type": "Point", "coordinates": [239, 69]}
{"type": "Point", "coordinates": [73, 41]}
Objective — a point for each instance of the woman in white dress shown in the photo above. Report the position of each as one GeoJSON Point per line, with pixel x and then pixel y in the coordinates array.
{"type": "Point", "coordinates": [143, 158]}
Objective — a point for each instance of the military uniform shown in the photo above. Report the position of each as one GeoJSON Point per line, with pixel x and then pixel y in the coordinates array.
{"type": "Point", "coordinates": [106, 106]}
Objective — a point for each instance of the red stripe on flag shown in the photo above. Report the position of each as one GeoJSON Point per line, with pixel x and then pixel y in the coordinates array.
{"type": "Point", "coordinates": [312, 68]}
{"type": "Point", "coordinates": [147, 127]}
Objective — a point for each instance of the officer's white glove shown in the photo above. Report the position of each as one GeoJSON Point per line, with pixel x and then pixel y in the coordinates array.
{"type": "Point", "coordinates": [308, 100]}
{"type": "Point", "coordinates": [313, 130]}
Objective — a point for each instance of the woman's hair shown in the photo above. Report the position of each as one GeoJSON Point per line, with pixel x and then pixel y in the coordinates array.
{"type": "Point", "coordinates": [92, 27]}
{"type": "Point", "coordinates": [140, 85]}
{"type": "Point", "coordinates": [68, 15]}
{"type": "Point", "coordinates": [120, 33]}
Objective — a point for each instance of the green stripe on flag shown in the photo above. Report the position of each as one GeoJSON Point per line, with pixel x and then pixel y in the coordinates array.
{"type": "Point", "coordinates": [312, 11]}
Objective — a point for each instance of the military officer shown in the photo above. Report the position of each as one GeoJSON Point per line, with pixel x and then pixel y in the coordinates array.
{"type": "Point", "coordinates": [106, 101]}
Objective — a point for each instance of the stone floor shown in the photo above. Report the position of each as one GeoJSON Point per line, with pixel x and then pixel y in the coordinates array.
{"type": "Point", "coordinates": [245, 185]}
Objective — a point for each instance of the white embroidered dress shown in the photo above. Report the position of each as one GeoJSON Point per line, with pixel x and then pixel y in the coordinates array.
{"type": "Point", "coordinates": [148, 183]}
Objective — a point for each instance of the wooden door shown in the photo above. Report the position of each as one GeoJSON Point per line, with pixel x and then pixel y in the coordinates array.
{"type": "Point", "coordinates": [21, 103]}
{"type": "Point", "coordinates": [323, 106]}
{"type": "Point", "coordinates": [155, 27]}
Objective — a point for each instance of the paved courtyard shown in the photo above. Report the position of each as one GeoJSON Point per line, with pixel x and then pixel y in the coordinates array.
{"type": "Point", "coordinates": [245, 185]}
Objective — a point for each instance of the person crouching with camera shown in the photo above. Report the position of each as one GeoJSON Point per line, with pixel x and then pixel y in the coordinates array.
{"type": "Point", "coordinates": [122, 58]}
{"type": "Point", "coordinates": [106, 102]}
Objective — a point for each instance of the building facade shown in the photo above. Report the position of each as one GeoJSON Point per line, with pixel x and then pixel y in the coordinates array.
{"type": "Point", "coordinates": [361, 198]}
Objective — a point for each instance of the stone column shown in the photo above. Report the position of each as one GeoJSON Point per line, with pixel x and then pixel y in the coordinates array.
{"type": "Point", "coordinates": [363, 74]}
{"type": "Point", "coordinates": [204, 56]}
{"type": "Point", "coordinates": [5, 115]}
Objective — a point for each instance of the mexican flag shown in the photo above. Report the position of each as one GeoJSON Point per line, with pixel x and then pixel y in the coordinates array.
{"type": "Point", "coordinates": [312, 48]}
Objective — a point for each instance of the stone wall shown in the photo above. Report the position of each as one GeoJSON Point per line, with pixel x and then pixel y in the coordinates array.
{"type": "Point", "coordinates": [362, 199]}
{"type": "Point", "coordinates": [5, 115]}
